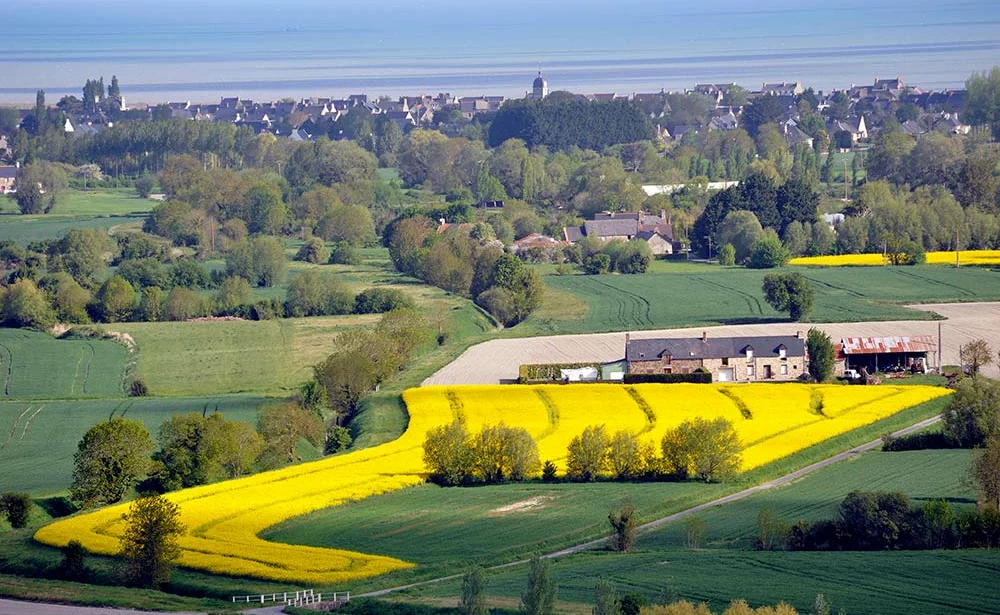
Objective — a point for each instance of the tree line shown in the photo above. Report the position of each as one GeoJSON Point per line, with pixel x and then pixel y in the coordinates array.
{"type": "Point", "coordinates": [699, 449]}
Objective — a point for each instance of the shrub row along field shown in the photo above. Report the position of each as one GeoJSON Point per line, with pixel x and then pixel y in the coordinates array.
{"type": "Point", "coordinates": [37, 366]}
{"type": "Point", "coordinates": [38, 438]}
{"type": "Point", "coordinates": [682, 294]}
{"type": "Point", "coordinates": [967, 257]}
{"type": "Point", "coordinates": [224, 520]}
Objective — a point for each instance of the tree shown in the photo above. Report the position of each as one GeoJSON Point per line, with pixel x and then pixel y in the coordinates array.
{"type": "Point", "coordinates": [505, 453]}
{"type": "Point", "coordinates": [771, 530]}
{"type": "Point", "coordinates": [473, 600]}
{"type": "Point", "coordinates": [975, 355]}
{"type": "Point", "coordinates": [707, 449]}
{"type": "Point", "coordinates": [986, 472]}
{"type": "Point", "coordinates": [81, 253]}
{"type": "Point", "coordinates": [183, 304]}
{"type": "Point", "coordinates": [260, 260]}
{"type": "Point", "coordinates": [727, 255]}
{"type": "Point", "coordinates": [447, 453]}
{"type": "Point", "coordinates": [768, 253]}
{"type": "Point", "coordinates": [983, 105]}
{"type": "Point", "coordinates": [819, 348]}
{"type": "Point", "coordinates": [791, 292]}
{"type": "Point", "coordinates": [282, 426]}
{"type": "Point", "coordinates": [16, 507]}
{"type": "Point", "coordinates": [149, 542]}
{"type": "Point", "coordinates": [539, 595]}
{"type": "Point", "coordinates": [109, 460]}
{"type": "Point", "coordinates": [742, 230]}
{"type": "Point", "coordinates": [972, 415]}
{"type": "Point", "coordinates": [587, 454]}
{"type": "Point", "coordinates": [624, 524]}
{"type": "Point", "coordinates": [115, 299]}
{"type": "Point", "coordinates": [25, 305]}
{"type": "Point", "coordinates": [606, 599]}
{"type": "Point", "coordinates": [233, 292]}
{"type": "Point", "coordinates": [151, 304]}
{"type": "Point", "coordinates": [624, 455]}
{"type": "Point", "coordinates": [195, 449]}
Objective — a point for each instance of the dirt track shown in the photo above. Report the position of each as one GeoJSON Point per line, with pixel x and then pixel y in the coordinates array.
{"type": "Point", "coordinates": [498, 360]}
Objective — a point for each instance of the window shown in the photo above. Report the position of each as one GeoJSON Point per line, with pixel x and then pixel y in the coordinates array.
{"type": "Point", "coordinates": [783, 353]}
{"type": "Point", "coordinates": [784, 370]}
{"type": "Point", "coordinates": [668, 370]}
{"type": "Point", "coordinates": [749, 354]}
{"type": "Point", "coordinates": [725, 361]}
{"type": "Point", "coordinates": [750, 371]}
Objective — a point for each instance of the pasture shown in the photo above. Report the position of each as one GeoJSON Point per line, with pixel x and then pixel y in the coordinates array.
{"type": "Point", "coordinates": [38, 438]}
{"type": "Point", "coordinates": [723, 568]}
{"type": "Point", "coordinates": [105, 209]}
{"type": "Point", "coordinates": [36, 365]}
{"type": "Point", "coordinates": [679, 294]}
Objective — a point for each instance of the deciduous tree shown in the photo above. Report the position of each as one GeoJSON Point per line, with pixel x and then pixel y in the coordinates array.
{"type": "Point", "coordinates": [110, 459]}
{"type": "Point", "coordinates": [149, 542]}
{"type": "Point", "coordinates": [539, 595]}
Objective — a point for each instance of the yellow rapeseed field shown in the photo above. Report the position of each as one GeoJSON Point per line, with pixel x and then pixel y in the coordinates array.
{"type": "Point", "coordinates": [966, 257]}
{"type": "Point", "coordinates": [223, 520]}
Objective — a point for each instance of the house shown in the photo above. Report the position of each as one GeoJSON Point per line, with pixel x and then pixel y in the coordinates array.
{"type": "Point", "coordinates": [855, 126]}
{"type": "Point", "coordinates": [724, 121]}
{"type": "Point", "coordinates": [793, 134]}
{"type": "Point", "coordinates": [538, 248]}
{"type": "Point", "coordinates": [728, 359]}
{"type": "Point", "coordinates": [657, 231]}
{"type": "Point", "coordinates": [782, 89]}
{"type": "Point", "coordinates": [874, 354]}
{"type": "Point", "coordinates": [8, 178]}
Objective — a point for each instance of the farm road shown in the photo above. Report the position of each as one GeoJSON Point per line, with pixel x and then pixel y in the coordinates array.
{"type": "Point", "coordinates": [498, 360]}
{"type": "Point", "coordinates": [733, 497]}
{"type": "Point", "coordinates": [18, 607]}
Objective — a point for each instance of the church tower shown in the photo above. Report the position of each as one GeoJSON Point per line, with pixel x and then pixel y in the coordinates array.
{"type": "Point", "coordinates": [540, 87]}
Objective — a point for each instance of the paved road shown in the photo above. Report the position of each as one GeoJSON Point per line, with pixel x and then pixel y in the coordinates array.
{"type": "Point", "coordinates": [17, 607]}
{"type": "Point", "coordinates": [734, 497]}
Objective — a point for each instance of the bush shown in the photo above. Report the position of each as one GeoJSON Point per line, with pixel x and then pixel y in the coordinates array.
{"type": "Point", "coordinates": [709, 450]}
{"type": "Point", "coordinates": [316, 294]}
{"type": "Point", "coordinates": [548, 372]}
{"type": "Point", "coordinates": [344, 254]}
{"type": "Point", "coordinates": [768, 253]}
{"type": "Point", "coordinates": [183, 304]}
{"type": "Point", "coordinates": [16, 507]}
{"type": "Point", "coordinates": [379, 300]}
{"type": "Point", "coordinates": [138, 388]}
{"type": "Point", "coordinates": [144, 186]}
{"type": "Point", "coordinates": [920, 442]}
{"type": "Point", "coordinates": [727, 255]}
{"type": "Point", "coordinates": [313, 251]}
{"type": "Point", "coordinates": [596, 264]}
{"type": "Point", "coordinates": [338, 439]}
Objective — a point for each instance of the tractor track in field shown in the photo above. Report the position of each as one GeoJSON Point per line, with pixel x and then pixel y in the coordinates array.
{"type": "Point", "coordinates": [752, 302]}
{"type": "Point", "coordinates": [10, 370]}
{"type": "Point", "coordinates": [658, 523]}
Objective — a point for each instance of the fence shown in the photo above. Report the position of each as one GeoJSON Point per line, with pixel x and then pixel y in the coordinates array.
{"type": "Point", "coordinates": [297, 598]}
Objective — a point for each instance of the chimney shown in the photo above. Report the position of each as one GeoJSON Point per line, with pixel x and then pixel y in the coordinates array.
{"type": "Point", "coordinates": [704, 336]}
{"type": "Point", "coordinates": [800, 335]}
{"type": "Point", "coordinates": [628, 338]}
{"type": "Point", "coordinates": [663, 215]}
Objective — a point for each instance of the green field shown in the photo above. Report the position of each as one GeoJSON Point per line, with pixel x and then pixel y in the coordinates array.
{"type": "Point", "coordinates": [35, 365]}
{"type": "Point", "coordinates": [74, 209]}
{"type": "Point", "coordinates": [38, 438]}
{"type": "Point", "coordinates": [684, 294]}
{"type": "Point", "coordinates": [724, 568]}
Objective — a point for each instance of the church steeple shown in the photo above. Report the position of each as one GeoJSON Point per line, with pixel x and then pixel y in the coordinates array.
{"type": "Point", "coordinates": [540, 87]}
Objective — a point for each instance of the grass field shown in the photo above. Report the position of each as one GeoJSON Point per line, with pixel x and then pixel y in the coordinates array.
{"type": "Point", "coordinates": [681, 294]}
{"type": "Point", "coordinates": [724, 568]}
{"type": "Point", "coordinates": [75, 209]}
{"type": "Point", "coordinates": [38, 438]}
{"type": "Point", "coordinates": [35, 365]}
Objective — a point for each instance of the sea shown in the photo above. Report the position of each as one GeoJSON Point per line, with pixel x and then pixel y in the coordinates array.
{"type": "Point", "coordinates": [201, 50]}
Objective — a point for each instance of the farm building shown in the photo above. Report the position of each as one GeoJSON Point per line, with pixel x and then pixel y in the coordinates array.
{"type": "Point", "coordinates": [657, 231]}
{"type": "Point", "coordinates": [874, 354]}
{"type": "Point", "coordinates": [729, 359]}
{"type": "Point", "coordinates": [8, 178]}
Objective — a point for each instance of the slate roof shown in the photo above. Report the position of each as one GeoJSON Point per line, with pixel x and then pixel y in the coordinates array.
{"type": "Point", "coordinates": [8, 172]}
{"type": "Point", "coordinates": [713, 347]}
{"type": "Point", "coordinates": [573, 233]}
{"type": "Point", "coordinates": [611, 227]}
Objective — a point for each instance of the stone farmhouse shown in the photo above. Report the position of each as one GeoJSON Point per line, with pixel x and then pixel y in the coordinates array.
{"type": "Point", "coordinates": [657, 231]}
{"type": "Point", "coordinates": [728, 359]}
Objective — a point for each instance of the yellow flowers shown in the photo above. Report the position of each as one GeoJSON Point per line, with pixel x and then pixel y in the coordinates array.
{"type": "Point", "coordinates": [966, 257]}
{"type": "Point", "coordinates": [224, 520]}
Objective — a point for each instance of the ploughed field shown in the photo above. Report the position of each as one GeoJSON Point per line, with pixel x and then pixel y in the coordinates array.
{"type": "Point", "coordinates": [224, 520]}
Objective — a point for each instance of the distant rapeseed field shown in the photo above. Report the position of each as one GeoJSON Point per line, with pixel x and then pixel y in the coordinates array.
{"type": "Point", "coordinates": [224, 519]}
{"type": "Point", "coordinates": [966, 257]}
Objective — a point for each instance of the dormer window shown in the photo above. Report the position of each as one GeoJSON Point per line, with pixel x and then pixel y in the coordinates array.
{"type": "Point", "coordinates": [782, 352]}
{"type": "Point", "coordinates": [749, 354]}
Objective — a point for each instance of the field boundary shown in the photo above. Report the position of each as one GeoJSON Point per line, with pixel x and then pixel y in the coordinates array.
{"type": "Point", "coordinates": [657, 523]}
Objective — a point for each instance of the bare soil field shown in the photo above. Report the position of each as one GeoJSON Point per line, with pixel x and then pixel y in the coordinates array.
{"type": "Point", "coordinates": [498, 360]}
